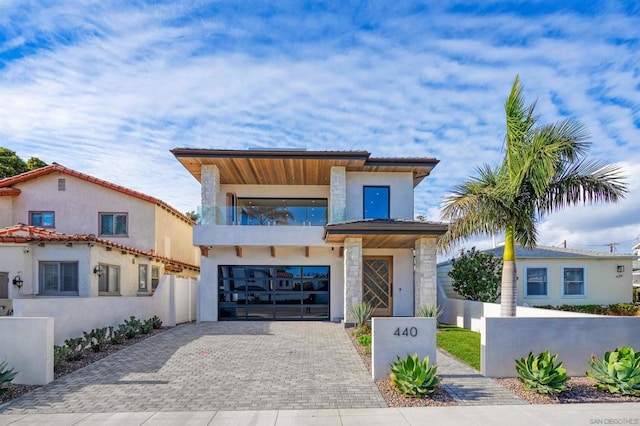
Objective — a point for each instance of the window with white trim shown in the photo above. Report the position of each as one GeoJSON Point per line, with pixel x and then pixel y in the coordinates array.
{"type": "Point", "coordinates": [536, 282]}
{"type": "Point", "coordinates": [109, 281]}
{"type": "Point", "coordinates": [142, 277]}
{"type": "Point", "coordinates": [155, 277]}
{"type": "Point", "coordinates": [58, 278]}
{"type": "Point", "coordinates": [42, 219]}
{"type": "Point", "coordinates": [113, 224]}
{"type": "Point", "coordinates": [573, 281]}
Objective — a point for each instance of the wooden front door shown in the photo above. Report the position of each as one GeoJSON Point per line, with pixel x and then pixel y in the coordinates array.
{"type": "Point", "coordinates": [377, 277]}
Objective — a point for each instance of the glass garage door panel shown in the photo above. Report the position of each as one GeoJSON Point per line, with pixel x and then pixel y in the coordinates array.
{"type": "Point", "coordinates": [273, 292]}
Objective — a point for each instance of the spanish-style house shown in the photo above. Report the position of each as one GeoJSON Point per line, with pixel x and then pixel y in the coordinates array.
{"type": "Point", "coordinates": [65, 233]}
{"type": "Point", "coordinates": [296, 234]}
{"type": "Point", "coordinates": [563, 276]}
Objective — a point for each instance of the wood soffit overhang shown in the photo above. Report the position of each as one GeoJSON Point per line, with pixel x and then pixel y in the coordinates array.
{"type": "Point", "coordinates": [383, 234]}
{"type": "Point", "coordinates": [284, 167]}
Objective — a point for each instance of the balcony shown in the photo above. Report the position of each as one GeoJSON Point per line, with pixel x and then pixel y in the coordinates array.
{"type": "Point", "coordinates": [263, 222]}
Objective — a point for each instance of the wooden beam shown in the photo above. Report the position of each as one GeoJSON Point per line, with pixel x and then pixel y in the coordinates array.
{"type": "Point", "coordinates": [239, 251]}
{"type": "Point", "coordinates": [306, 251]}
{"type": "Point", "coordinates": [341, 252]}
{"type": "Point", "coordinates": [204, 251]}
{"type": "Point", "coordinates": [273, 251]}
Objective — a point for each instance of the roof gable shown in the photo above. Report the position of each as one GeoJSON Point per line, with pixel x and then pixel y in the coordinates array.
{"type": "Point", "coordinates": [5, 185]}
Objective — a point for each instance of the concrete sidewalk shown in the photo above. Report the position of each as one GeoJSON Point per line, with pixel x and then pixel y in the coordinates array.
{"type": "Point", "coordinates": [564, 414]}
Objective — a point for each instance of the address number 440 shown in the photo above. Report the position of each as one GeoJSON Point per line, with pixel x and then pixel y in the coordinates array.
{"type": "Point", "coordinates": [407, 331]}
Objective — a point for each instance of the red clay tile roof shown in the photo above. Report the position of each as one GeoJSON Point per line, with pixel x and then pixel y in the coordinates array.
{"type": "Point", "coordinates": [22, 233]}
{"type": "Point", "coordinates": [8, 192]}
{"type": "Point", "coordinates": [57, 168]}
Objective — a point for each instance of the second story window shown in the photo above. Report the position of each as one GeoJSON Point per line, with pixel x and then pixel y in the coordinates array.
{"type": "Point", "coordinates": [113, 224]}
{"type": "Point", "coordinates": [376, 202]}
{"type": "Point", "coordinates": [42, 219]}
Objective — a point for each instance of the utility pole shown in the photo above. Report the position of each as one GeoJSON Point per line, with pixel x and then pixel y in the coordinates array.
{"type": "Point", "coordinates": [564, 243]}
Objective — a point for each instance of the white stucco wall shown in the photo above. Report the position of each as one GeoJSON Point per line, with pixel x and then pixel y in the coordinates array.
{"type": "Point", "coordinates": [26, 344]}
{"type": "Point", "coordinates": [174, 237]}
{"type": "Point", "coordinates": [14, 261]}
{"type": "Point", "coordinates": [76, 209]}
{"type": "Point", "coordinates": [6, 211]}
{"type": "Point", "coordinates": [402, 278]}
{"type": "Point", "coordinates": [400, 192]}
{"type": "Point", "coordinates": [320, 256]}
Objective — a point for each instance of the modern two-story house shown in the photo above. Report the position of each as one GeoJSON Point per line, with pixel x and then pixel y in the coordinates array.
{"type": "Point", "coordinates": [295, 234]}
{"type": "Point", "coordinates": [66, 233]}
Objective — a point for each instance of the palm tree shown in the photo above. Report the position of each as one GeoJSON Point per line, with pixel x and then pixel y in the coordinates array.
{"type": "Point", "coordinates": [544, 169]}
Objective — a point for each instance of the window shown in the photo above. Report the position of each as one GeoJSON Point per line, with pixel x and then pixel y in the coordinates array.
{"type": "Point", "coordinates": [42, 219]}
{"type": "Point", "coordinates": [62, 185]}
{"type": "Point", "coordinates": [537, 282]}
{"type": "Point", "coordinates": [109, 281]}
{"type": "Point", "coordinates": [113, 224]}
{"type": "Point", "coordinates": [59, 278]}
{"type": "Point", "coordinates": [142, 277]}
{"type": "Point", "coordinates": [376, 202]}
{"type": "Point", "coordinates": [573, 282]}
{"type": "Point", "coordinates": [280, 211]}
{"type": "Point", "coordinates": [155, 277]}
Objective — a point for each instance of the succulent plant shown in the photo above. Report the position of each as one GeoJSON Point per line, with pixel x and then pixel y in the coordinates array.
{"type": "Point", "coordinates": [414, 378]}
{"type": "Point", "coordinates": [6, 376]}
{"type": "Point", "coordinates": [541, 374]}
{"type": "Point", "coordinates": [618, 372]}
{"type": "Point", "coordinates": [362, 312]}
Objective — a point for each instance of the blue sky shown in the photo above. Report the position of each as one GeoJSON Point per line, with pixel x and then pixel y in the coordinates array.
{"type": "Point", "coordinates": [109, 87]}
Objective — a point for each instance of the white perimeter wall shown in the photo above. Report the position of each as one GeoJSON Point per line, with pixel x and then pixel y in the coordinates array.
{"type": "Point", "coordinates": [574, 340]}
{"type": "Point", "coordinates": [26, 344]}
{"type": "Point", "coordinates": [74, 315]}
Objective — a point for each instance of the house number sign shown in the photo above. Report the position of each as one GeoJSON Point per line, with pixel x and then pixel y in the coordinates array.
{"type": "Point", "coordinates": [406, 331]}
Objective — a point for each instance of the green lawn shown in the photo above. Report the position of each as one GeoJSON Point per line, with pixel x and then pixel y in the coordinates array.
{"type": "Point", "coordinates": [461, 343]}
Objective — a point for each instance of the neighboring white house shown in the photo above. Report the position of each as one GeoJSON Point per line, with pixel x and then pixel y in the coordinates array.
{"type": "Point", "coordinates": [636, 266]}
{"type": "Point", "coordinates": [65, 233]}
{"type": "Point", "coordinates": [563, 276]}
{"type": "Point", "coordinates": [294, 234]}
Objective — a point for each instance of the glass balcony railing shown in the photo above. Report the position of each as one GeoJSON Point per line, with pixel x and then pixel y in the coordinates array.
{"type": "Point", "coordinates": [267, 212]}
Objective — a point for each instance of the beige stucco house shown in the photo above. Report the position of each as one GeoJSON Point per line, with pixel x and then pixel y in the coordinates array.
{"type": "Point", "coordinates": [562, 276]}
{"type": "Point", "coordinates": [65, 233]}
{"type": "Point", "coordinates": [294, 234]}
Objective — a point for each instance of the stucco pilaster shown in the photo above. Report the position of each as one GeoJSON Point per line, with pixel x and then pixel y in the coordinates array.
{"type": "Point", "coordinates": [338, 194]}
{"type": "Point", "coordinates": [352, 276]}
{"type": "Point", "coordinates": [210, 189]}
{"type": "Point", "coordinates": [425, 273]}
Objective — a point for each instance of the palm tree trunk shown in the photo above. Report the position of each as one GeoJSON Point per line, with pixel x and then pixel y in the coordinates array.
{"type": "Point", "coordinates": [509, 276]}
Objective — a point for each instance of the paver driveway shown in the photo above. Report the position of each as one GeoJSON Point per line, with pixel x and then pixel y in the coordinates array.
{"type": "Point", "coordinates": [218, 366]}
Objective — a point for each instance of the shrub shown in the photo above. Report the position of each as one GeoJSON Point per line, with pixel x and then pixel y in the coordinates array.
{"type": "Point", "coordinates": [414, 378]}
{"type": "Point", "coordinates": [97, 338]}
{"type": "Point", "coordinates": [619, 372]}
{"type": "Point", "coordinates": [117, 337]}
{"type": "Point", "coordinates": [430, 311]}
{"type": "Point", "coordinates": [133, 326]}
{"type": "Point", "coordinates": [76, 347]}
{"type": "Point", "coordinates": [61, 353]}
{"type": "Point", "coordinates": [146, 327]}
{"type": "Point", "coordinates": [6, 377]}
{"type": "Point", "coordinates": [157, 322]}
{"type": "Point", "coordinates": [362, 312]}
{"type": "Point", "coordinates": [365, 340]}
{"type": "Point", "coordinates": [540, 373]}
{"type": "Point", "coordinates": [361, 330]}
{"type": "Point", "coordinates": [477, 275]}
{"type": "Point", "coordinates": [623, 309]}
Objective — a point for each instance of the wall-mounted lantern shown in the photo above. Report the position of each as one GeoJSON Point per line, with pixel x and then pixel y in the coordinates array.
{"type": "Point", "coordinates": [98, 270]}
{"type": "Point", "coordinates": [17, 281]}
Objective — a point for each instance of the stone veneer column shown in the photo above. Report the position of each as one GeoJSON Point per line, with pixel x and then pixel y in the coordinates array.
{"type": "Point", "coordinates": [352, 276]}
{"type": "Point", "coordinates": [425, 292]}
{"type": "Point", "coordinates": [210, 188]}
{"type": "Point", "coordinates": [338, 195]}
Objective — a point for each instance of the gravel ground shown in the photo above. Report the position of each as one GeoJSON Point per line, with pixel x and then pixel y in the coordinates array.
{"type": "Point", "coordinates": [579, 390]}
{"type": "Point", "coordinates": [393, 398]}
{"type": "Point", "coordinates": [67, 367]}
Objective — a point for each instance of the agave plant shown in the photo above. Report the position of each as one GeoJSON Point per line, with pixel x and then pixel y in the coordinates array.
{"type": "Point", "coordinates": [430, 311]}
{"type": "Point", "coordinates": [619, 372]}
{"type": "Point", "coordinates": [414, 378]}
{"type": "Point", "coordinates": [541, 374]}
{"type": "Point", "coordinates": [6, 376]}
{"type": "Point", "coordinates": [362, 312]}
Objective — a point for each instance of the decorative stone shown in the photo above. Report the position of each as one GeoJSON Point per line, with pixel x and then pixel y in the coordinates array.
{"type": "Point", "coordinates": [352, 276]}
{"type": "Point", "coordinates": [338, 194]}
{"type": "Point", "coordinates": [425, 273]}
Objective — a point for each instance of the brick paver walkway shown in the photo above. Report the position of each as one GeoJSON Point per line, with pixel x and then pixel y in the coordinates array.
{"type": "Point", "coordinates": [217, 366]}
{"type": "Point", "coordinates": [468, 387]}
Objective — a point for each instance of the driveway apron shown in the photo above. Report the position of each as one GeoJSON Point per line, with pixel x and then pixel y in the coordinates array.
{"type": "Point", "coordinates": [217, 366]}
